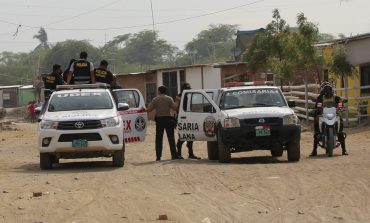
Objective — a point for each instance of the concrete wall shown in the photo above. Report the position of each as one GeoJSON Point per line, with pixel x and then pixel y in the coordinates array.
{"type": "Point", "coordinates": [193, 77]}
{"type": "Point", "coordinates": [211, 78]}
{"type": "Point", "coordinates": [358, 51]}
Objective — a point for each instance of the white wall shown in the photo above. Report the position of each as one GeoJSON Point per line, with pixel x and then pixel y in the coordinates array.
{"type": "Point", "coordinates": [193, 77]}
{"type": "Point", "coordinates": [358, 51]}
{"type": "Point", "coordinates": [211, 78]}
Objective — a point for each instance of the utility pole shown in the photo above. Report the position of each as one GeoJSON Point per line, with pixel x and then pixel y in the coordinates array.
{"type": "Point", "coordinates": [151, 8]}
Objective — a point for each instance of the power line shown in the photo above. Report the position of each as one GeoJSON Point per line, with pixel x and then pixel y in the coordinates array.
{"type": "Point", "coordinates": [62, 20]}
{"type": "Point", "coordinates": [142, 25]}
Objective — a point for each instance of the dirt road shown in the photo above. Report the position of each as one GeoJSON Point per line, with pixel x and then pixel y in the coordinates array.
{"type": "Point", "coordinates": [253, 188]}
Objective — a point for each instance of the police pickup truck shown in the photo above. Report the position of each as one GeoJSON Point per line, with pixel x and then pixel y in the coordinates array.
{"type": "Point", "coordinates": [86, 121]}
{"type": "Point", "coordinates": [240, 119]}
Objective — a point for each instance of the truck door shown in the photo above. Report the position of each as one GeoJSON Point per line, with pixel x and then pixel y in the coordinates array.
{"type": "Point", "coordinates": [135, 119]}
{"type": "Point", "coordinates": [197, 116]}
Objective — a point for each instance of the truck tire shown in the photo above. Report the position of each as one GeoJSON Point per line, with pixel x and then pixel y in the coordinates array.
{"type": "Point", "coordinates": [294, 150]}
{"type": "Point", "coordinates": [46, 161]}
{"type": "Point", "coordinates": [277, 152]}
{"type": "Point", "coordinates": [212, 149]}
{"type": "Point", "coordinates": [118, 159]}
{"type": "Point", "coordinates": [330, 142]}
{"type": "Point", "coordinates": [224, 155]}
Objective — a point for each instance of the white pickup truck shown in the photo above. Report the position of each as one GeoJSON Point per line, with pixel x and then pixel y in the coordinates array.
{"type": "Point", "coordinates": [240, 119]}
{"type": "Point", "coordinates": [86, 121]}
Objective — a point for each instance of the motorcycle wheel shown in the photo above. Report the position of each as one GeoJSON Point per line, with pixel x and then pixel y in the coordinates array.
{"type": "Point", "coordinates": [330, 141]}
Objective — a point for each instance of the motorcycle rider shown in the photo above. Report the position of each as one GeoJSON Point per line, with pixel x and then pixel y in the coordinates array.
{"type": "Point", "coordinates": [326, 98]}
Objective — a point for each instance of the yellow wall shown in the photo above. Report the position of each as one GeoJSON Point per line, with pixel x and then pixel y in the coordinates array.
{"type": "Point", "coordinates": [353, 82]}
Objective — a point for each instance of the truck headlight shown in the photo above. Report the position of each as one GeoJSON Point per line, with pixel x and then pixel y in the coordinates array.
{"type": "Point", "coordinates": [45, 124]}
{"type": "Point", "coordinates": [231, 123]}
{"type": "Point", "coordinates": [110, 122]}
{"type": "Point", "coordinates": [290, 120]}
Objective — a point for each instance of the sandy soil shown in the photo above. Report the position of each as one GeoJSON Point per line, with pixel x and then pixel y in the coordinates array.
{"type": "Point", "coordinates": [253, 188]}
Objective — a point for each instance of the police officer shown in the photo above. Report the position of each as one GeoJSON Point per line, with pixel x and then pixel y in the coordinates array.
{"type": "Point", "coordinates": [82, 70]}
{"type": "Point", "coordinates": [326, 98]}
{"type": "Point", "coordinates": [162, 104]}
{"type": "Point", "coordinates": [52, 80]}
{"type": "Point", "coordinates": [66, 72]}
{"type": "Point", "coordinates": [103, 75]}
{"type": "Point", "coordinates": [189, 144]}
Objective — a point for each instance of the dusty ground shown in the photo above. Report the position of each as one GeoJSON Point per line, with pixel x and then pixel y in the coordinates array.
{"type": "Point", "coordinates": [253, 188]}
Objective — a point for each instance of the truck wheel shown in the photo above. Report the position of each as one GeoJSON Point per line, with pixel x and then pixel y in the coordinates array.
{"type": "Point", "coordinates": [277, 152]}
{"type": "Point", "coordinates": [212, 149]}
{"type": "Point", "coordinates": [294, 150]}
{"type": "Point", "coordinates": [224, 155]}
{"type": "Point", "coordinates": [119, 157]}
{"type": "Point", "coordinates": [46, 161]}
{"type": "Point", "coordinates": [330, 142]}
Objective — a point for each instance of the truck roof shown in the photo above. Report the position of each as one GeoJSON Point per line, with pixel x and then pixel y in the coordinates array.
{"type": "Point", "coordinates": [81, 90]}
{"type": "Point", "coordinates": [249, 88]}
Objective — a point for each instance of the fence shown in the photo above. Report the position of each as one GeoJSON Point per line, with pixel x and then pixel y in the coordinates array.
{"type": "Point", "coordinates": [305, 104]}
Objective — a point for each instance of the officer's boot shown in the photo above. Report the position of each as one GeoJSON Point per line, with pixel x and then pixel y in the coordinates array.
{"type": "Point", "coordinates": [191, 152]}
{"type": "Point", "coordinates": [341, 138]}
{"type": "Point", "coordinates": [315, 144]}
{"type": "Point", "coordinates": [178, 146]}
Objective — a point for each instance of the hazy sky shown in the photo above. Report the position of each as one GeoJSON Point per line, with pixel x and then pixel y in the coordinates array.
{"type": "Point", "coordinates": [178, 22]}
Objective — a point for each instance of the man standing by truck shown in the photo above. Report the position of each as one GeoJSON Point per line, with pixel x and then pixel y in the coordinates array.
{"type": "Point", "coordinates": [82, 70]}
{"type": "Point", "coordinates": [162, 104]}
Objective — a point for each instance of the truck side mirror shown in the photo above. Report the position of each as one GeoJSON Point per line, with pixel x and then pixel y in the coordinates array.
{"type": "Point", "coordinates": [122, 106]}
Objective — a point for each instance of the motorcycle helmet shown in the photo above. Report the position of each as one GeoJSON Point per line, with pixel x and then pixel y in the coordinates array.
{"type": "Point", "coordinates": [323, 84]}
{"type": "Point", "coordinates": [328, 91]}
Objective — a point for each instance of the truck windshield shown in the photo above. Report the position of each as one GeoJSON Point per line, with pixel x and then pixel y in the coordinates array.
{"type": "Point", "coordinates": [248, 98]}
{"type": "Point", "coordinates": [80, 101]}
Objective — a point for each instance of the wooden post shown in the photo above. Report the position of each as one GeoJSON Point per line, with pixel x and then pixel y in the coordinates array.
{"type": "Point", "coordinates": [346, 96]}
{"type": "Point", "coordinates": [306, 93]}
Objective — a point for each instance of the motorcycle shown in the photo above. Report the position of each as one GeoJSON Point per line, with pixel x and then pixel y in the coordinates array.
{"type": "Point", "coordinates": [329, 124]}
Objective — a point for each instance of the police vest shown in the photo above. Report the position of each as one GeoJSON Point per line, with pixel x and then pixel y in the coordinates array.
{"type": "Point", "coordinates": [103, 76]}
{"type": "Point", "coordinates": [50, 81]}
{"type": "Point", "coordinates": [81, 71]}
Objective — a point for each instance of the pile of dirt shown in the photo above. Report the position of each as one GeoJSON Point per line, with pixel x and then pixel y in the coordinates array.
{"type": "Point", "coordinates": [8, 126]}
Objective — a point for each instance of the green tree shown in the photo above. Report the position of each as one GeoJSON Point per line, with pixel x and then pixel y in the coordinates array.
{"type": "Point", "coordinates": [117, 41]}
{"type": "Point", "coordinates": [16, 68]}
{"type": "Point", "coordinates": [273, 49]}
{"type": "Point", "coordinates": [63, 52]}
{"type": "Point", "coordinates": [147, 48]}
{"type": "Point", "coordinates": [325, 37]}
{"type": "Point", "coordinates": [212, 44]}
{"type": "Point", "coordinates": [42, 36]}
{"type": "Point", "coordinates": [308, 57]}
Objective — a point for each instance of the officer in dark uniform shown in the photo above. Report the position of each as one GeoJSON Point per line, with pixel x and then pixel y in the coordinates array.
{"type": "Point", "coordinates": [66, 72]}
{"type": "Point", "coordinates": [52, 80]}
{"type": "Point", "coordinates": [327, 97]}
{"type": "Point", "coordinates": [103, 75]}
{"type": "Point", "coordinates": [82, 70]}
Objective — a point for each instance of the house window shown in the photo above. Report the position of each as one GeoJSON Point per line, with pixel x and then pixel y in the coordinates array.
{"type": "Point", "coordinates": [365, 78]}
{"type": "Point", "coordinates": [182, 77]}
{"type": "Point", "coordinates": [170, 82]}
{"type": "Point", "coordinates": [151, 91]}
